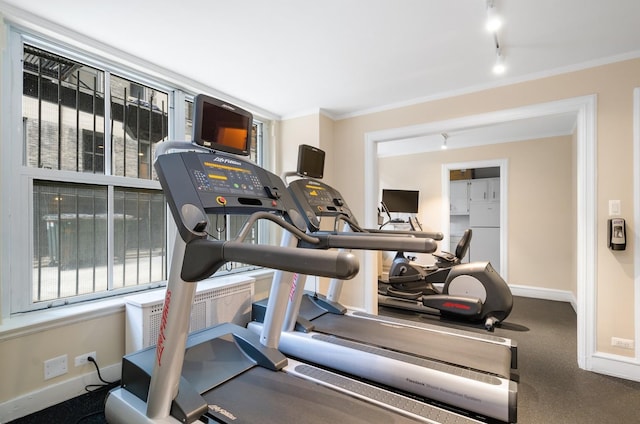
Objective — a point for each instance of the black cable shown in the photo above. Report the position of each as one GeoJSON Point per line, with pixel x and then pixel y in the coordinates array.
{"type": "Point", "coordinates": [99, 386]}
{"type": "Point", "coordinates": [106, 384]}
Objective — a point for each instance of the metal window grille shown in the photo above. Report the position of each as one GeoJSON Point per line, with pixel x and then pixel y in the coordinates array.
{"type": "Point", "coordinates": [141, 114]}
{"type": "Point", "coordinates": [63, 104]}
{"type": "Point", "coordinates": [63, 113]}
{"type": "Point", "coordinates": [70, 240]}
{"type": "Point", "coordinates": [139, 237]}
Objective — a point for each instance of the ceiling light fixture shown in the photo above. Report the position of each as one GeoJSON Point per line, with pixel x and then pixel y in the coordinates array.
{"type": "Point", "coordinates": [445, 136]}
{"type": "Point", "coordinates": [499, 68]}
{"type": "Point", "coordinates": [494, 21]}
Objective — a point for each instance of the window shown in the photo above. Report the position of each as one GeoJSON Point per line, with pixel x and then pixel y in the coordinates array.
{"type": "Point", "coordinates": [99, 221]}
{"type": "Point", "coordinates": [95, 221]}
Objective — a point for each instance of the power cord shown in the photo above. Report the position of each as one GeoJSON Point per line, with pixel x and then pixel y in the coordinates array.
{"type": "Point", "coordinates": [105, 385]}
{"type": "Point", "coordinates": [99, 386]}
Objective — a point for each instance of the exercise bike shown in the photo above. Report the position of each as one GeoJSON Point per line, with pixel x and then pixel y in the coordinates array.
{"type": "Point", "coordinates": [471, 291]}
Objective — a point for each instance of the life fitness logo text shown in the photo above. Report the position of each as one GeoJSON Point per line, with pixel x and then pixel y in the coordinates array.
{"type": "Point", "coordinates": [163, 326]}
{"type": "Point", "coordinates": [227, 161]}
{"type": "Point", "coordinates": [294, 284]}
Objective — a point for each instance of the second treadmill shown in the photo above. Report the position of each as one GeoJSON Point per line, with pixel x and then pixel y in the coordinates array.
{"type": "Point", "coordinates": [464, 369]}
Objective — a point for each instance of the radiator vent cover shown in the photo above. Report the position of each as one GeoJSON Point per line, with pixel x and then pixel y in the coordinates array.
{"type": "Point", "coordinates": [221, 299]}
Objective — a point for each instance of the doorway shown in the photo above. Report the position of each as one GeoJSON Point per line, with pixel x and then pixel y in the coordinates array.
{"type": "Point", "coordinates": [583, 109]}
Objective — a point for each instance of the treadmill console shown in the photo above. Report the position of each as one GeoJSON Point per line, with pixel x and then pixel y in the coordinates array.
{"type": "Point", "coordinates": [220, 183]}
{"type": "Point", "coordinates": [318, 199]}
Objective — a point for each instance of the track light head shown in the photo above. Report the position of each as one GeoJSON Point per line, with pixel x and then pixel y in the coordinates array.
{"type": "Point", "coordinates": [445, 136]}
{"type": "Point", "coordinates": [494, 21]}
{"type": "Point", "coordinates": [499, 67]}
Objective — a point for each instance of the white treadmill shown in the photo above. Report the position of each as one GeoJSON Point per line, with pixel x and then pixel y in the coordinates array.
{"type": "Point", "coordinates": [226, 373]}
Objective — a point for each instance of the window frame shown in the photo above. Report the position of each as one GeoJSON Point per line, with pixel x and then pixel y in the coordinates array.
{"type": "Point", "coordinates": [21, 272]}
{"type": "Point", "coordinates": [16, 187]}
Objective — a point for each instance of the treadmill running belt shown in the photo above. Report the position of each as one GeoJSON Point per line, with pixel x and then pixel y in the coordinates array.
{"type": "Point", "coordinates": [483, 357]}
{"type": "Point", "coordinates": [263, 396]}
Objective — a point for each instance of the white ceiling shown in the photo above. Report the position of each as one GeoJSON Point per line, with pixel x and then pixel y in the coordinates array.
{"type": "Point", "coordinates": [285, 58]}
{"type": "Point", "coordinates": [504, 132]}
{"type": "Point", "coordinates": [345, 57]}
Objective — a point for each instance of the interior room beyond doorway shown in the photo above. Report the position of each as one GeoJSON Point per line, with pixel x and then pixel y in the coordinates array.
{"type": "Point", "coordinates": [474, 199]}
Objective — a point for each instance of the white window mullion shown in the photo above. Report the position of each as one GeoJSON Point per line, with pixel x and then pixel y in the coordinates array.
{"type": "Point", "coordinates": [177, 118]}
{"type": "Point", "coordinates": [110, 237]}
{"type": "Point", "coordinates": [108, 145]}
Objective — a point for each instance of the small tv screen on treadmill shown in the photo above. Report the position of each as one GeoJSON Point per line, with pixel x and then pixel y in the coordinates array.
{"type": "Point", "coordinates": [310, 161]}
{"type": "Point", "coordinates": [401, 200]}
{"type": "Point", "coordinates": [221, 126]}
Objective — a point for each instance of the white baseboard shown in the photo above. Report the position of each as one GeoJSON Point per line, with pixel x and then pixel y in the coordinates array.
{"type": "Point", "coordinates": [544, 293]}
{"type": "Point", "coordinates": [54, 394]}
{"type": "Point", "coordinates": [601, 363]}
{"type": "Point", "coordinates": [615, 366]}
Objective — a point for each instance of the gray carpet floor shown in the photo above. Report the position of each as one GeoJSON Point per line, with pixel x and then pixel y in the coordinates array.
{"type": "Point", "coordinates": [552, 388]}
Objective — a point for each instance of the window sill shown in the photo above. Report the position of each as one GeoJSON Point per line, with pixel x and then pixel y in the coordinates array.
{"type": "Point", "coordinates": [34, 322]}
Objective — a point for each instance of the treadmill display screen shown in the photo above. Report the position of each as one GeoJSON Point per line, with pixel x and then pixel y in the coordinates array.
{"type": "Point", "coordinates": [224, 175]}
{"type": "Point", "coordinates": [317, 197]}
{"type": "Point", "coordinates": [310, 161]}
{"type": "Point", "coordinates": [221, 126]}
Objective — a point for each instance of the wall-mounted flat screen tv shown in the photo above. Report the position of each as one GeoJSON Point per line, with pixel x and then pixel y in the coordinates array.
{"type": "Point", "coordinates": [401, 200]}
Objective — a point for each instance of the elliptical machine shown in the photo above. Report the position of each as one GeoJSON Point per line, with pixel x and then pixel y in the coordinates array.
{"type": "Point", "coordinates": [472, 291]}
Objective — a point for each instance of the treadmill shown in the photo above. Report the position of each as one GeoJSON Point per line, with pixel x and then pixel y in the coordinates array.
{"type": "Point", "coordinates": [226, 373]}
{"type": "Point", "coordinates": [460, 368]}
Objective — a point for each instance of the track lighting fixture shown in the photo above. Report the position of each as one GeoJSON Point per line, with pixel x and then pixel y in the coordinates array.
{"type": "Point", "coordinates": [445, 136]}
{"type": "Point", "coordinates": [494, 23]}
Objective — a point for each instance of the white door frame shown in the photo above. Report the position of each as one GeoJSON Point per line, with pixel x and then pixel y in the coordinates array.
{"type": "Point", "coordinates": [446, 194]}
{"type": "Point", "coordinates": [585, 109]}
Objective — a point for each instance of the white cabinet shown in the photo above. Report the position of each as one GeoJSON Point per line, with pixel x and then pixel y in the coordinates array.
{"type": "Point", "coordinates": [494, 189]}
{"type": "Point", "coordinates": [484, 190]}
{"type": "Point", "coordinates": [484, 214]}
{"type": "Point", "coordinates": [485, 246]}
{"type": "Point", "coordinates": [484, 219]}
{"type": "Point", "coordinates": [459, 197]}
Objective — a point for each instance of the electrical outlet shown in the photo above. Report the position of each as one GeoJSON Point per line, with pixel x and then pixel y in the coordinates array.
{"type": "Point", "coordinates": [84, 358]}
{"type": "Point", "coordinates": [55, 366]}
{"type": "Point", "coordinates": [623, 343]}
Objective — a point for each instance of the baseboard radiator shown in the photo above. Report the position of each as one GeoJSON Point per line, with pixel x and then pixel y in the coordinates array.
{"type": "Point", "coordinates": [222, 299]}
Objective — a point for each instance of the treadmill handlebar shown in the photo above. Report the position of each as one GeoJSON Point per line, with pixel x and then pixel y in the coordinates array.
{"type": "Point", "coordinates": [369, 241]}
{"type": "Point", "coordinates": [419, 234]}
{"type": "Point", "coordinates": [204, 257]}
{"type": "Point", "coordinates": [168, 147]}
{"type": "Point", "coordinates": [323, 263]}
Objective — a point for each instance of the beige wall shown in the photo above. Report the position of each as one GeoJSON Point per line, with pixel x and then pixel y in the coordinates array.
{"type": "Point", "coordinates": [315, 130]}
{"type": "Point", "coordinates": [540, 210]}
{"type": "Point", "coordinates": [23, 356]}
{"type": "Point", "coordinates": [291, 133]}
{"type": "Point", "coordinates": [613, 84]}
